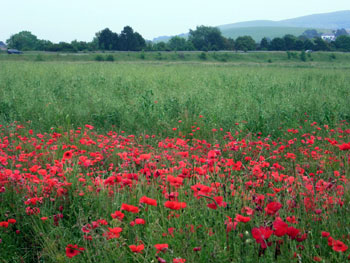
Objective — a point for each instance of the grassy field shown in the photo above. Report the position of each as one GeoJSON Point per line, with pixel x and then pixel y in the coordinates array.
{"type": "Point", "coordinates": [325, 59]}
{"type": "Point", "coordinates": [153, 97]}
{"type": "Point", "coordinates": [174, 161]}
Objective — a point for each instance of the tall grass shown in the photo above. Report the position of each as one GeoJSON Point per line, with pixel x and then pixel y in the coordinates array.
{"type": "Point", "coordinates": [152, 98]}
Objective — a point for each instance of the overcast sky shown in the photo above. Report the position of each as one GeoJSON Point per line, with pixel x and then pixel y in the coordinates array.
{"type": "Point", "coordinates": [66, 20]}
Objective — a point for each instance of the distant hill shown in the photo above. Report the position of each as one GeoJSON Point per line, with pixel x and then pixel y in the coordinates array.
{"type": "Point", "coordinates": [271, 29]}
{"type": "Point", "coordinates": [334, 20]}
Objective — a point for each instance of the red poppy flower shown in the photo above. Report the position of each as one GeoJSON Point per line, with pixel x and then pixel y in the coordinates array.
{"type": "Point", "coordinates": [330, 241]}
{"type": "Point", "coordinates": [261, 235]}
{"type": "Point", "coordinates": [68, 155]}
{"type": "Point", "coordinates": [140, 221]}
{"type": "Point", "coordinates": [243, 219]}
{"type": "Point", "coordinates": [230, 225]}
{"type": "Point", "coordinates": [280, 227]}
{"type": "Point", "coordinates": [161, 247]}
{"type": "Point", "coordinates": [73, 250]}
{"type": "Point", "coordinates": [325, 234]}
{"type": "Point", "coordinates": [344, 146]}
{"type": "Point", "coordinates": [174, 205]}
{"type": "Point", "coordinates": [12, 221]}
{"type": "Point", "coordinates": [179, 260]}
{"type": "Point", "coordinates": [292, 232]}
{"type": "Point", "coordinates": [113, 232]}
{"type": "Point", "coordinates": [247, 210]}
{"type": "Point", "coordinates": [272, 208]}
{"type": "Point", "coordinates": [137, 249]}
{"type": "Point", "coordinates": [218, 202]}
{"type": "Point", "coordinates": [339, 246]}
{"type": "Point", "coordinates": [130, 208]}
{"type": "Point", "coordinates": [118, 214]}
{"type": "Point", "coordinates": [149, 201]}
{"type": "Point", "coordinates": [4, 224]}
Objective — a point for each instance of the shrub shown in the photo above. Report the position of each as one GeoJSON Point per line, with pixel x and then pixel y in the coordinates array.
{"type": "Point", "coordinates": [110, 58]}
{"type": "Point", "coordinates": [202, 56]}
{"type": "Point", "coordinates": [99, 58]}
{"type": "Point", "coordinates": [142, 55]}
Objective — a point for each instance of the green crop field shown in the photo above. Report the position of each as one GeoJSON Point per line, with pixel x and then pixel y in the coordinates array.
{"type": "Point", "coordinates": [174, 157]}
{"type": "Point", "coordinates": [152, 97]}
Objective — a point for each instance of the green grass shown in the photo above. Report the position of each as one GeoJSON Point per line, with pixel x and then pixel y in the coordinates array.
{"type": "Point", "coordinates": [153, 97]}
{"type": "Point", "coordinates": [320, 59]}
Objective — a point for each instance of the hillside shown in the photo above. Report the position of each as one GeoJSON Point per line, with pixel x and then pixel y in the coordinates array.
{"type": "Point", "coordinates": [271, 29]}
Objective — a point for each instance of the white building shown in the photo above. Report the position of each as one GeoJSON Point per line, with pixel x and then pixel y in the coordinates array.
{"type": "Point", "coordinates": [328, 37]}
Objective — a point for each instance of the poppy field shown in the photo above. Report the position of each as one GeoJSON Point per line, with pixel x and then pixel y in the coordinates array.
{"type": "Point", "coordinates": [256, 170]}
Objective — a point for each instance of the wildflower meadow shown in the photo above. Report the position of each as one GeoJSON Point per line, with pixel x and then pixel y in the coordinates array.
{"type": "Point", "coordinates": [138, 162]}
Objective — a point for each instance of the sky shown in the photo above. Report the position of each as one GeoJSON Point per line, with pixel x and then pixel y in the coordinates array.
{"type": "Point", "coordinates": [67, 20]}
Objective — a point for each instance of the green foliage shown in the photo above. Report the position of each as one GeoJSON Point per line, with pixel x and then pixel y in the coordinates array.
{"type": "Point", "coordinates": [107, 40]}
{"type": "Point", "coordinates": [321, 45]}
{"type": "Point", "coordinates": [289, 55]}
{"type": "Point", "coordinates": [264, 44]}
{"type": "Point", "coordinates": [245, 43]}
{"type": "Point", "coordinates": [99, 58]}
{"type": "Point", "coordinates": [106, 94]}
{"type": "Point", "coordinates": [278, 44]}
{"type": "Point", "coordinates": [178, 43]}
{"type": "Point", "coordinates": [303, 55]}
{"type": "Point", "coordinates": [203, 55]}
{"type": "Point", "coordinates": [142, 55]}
{"type": "Point", "coordinates": [23, 40]}
{"type": "Point", "coordinates": [159, 56]}
{"type": "Point", "coordinates": [206, 38]}
{"type": "Point", "coordinates": [130, 40]}
{"type": "Point", "coordinates": [311, 33]}
{"type": "Point", "coordinates": [343, 43]}
{"type": "Point", "coordinates": [110, 58]}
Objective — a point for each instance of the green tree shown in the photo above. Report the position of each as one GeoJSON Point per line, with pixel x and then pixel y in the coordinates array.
{"type": "Point", "coordinates": [309, 45]}
{"type": "Point", "coordinates": [290, 42]}
{"type": "Point", "coordinates": [299, 44]}
{"type": "Point", "coordinates": [79, 45]}
{"type": "Point", "coordinates": [107, 40]}
{"type": "Point", "coordinates": [311, 33]}
{"type": "Point", "coordinates": [160, 46]}
{"type": "Point", "coordinates": [177, 43]}
{"type": "Point", "coordinates": [321, 45]}
{"type": "Point", "coordinates": [206, 38]}
{"type": "Point", "coordinates": [264, 44]}
{"type": "Point", "coordinates": [343, 43]}
{"type": "Point", "coordinates": [245, 43]}
{"type": "Point", "coordinates": [130, 40]}
{"type": "Point", "coordinates": [229, 44]}
{"type": "Point", "coordinates": [23, 40]}
{"type": "Point", "coordinates": [278, 44]}
{"type": "Point", "coordinates": [341, 32]}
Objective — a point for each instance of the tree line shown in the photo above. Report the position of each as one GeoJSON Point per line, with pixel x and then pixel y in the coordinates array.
{"type": "Point", "coordinates": [203, 38]}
